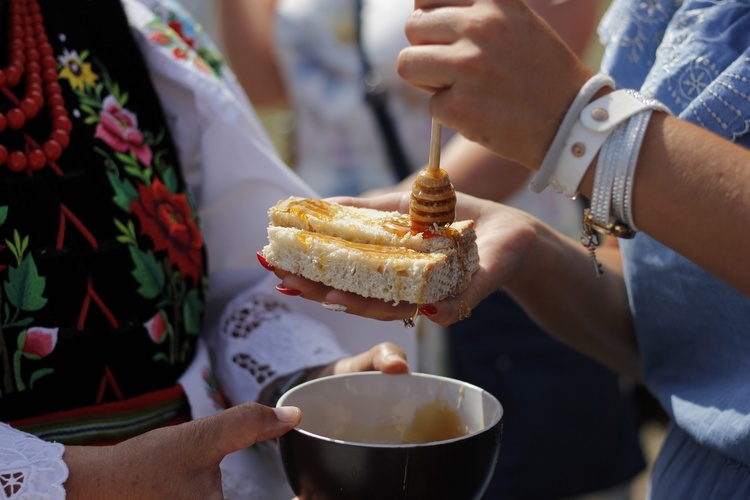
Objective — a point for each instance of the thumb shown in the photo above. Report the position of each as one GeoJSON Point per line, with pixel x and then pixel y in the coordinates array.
{"type": "Point", "coordinates": [385, 357]}
{"type": "Point", "coordinates": [244, 425]}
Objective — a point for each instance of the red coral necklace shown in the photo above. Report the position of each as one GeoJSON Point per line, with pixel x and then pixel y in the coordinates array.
{"type": "Point", "coordinates": [31, 59]}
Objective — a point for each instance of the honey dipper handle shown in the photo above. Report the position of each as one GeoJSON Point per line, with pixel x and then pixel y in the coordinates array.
{"type": "Point", "coordinates": [433, 163]}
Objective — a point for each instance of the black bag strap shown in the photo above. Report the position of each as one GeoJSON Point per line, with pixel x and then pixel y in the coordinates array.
{"type": "Point", "coordinates": [377, 97]}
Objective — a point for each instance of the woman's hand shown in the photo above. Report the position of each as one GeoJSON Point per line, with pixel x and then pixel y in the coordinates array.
{"type": "Point", "coordinates": [385, 357]}
{"type": "Point", "coordinates": [505, 238]}
{"type": "Point", "coordinates": [180, 461]}
{"type": "Point", "coordinates": [500, 75]}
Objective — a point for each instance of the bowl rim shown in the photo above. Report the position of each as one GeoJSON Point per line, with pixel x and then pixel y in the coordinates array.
{"type": "Point", "coordinates": [487, 428]}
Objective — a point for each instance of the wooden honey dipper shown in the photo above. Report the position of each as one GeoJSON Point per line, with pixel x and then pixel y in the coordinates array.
{"type": "Point", "coordinates": [433, 199]}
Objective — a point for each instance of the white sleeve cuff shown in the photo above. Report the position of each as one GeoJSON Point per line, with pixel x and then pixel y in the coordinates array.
{"type": "Point", "coordinates": [30, 468]}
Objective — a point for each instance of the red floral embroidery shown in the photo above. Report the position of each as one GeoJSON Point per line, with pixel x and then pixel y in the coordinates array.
{"type": "Point", "coordinates": [156, 328]}
{"type": "Point", "coordinates": [177, 27]}
{"type": "Point", "coordinates": [166, 219]}
{"type": "Point", "coordinates": [119, 129]}
{"type": "Point", "coordinates": [40, 341]}
{"type": "Point", "coordinates": [159, 37]}
{"type": "Point", "coordinates": [179, 53]}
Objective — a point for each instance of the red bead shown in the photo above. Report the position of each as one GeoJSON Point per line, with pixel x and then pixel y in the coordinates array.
{"type": "Point", "coordinates": [28, 107]}
{"type": "Point", "coordinates": [32, 55]}
{"type": "Point", "coordinates": [3, 154]}
{"type": "Point", "coordinates": [58, 111]}
{"type": "Point", "coordinates": [55, 100]}
{"type": "Point", "coordinates": [52, 88]}
{"type": "Point", "coordinates": [49, 75]}
{"type": "Point", "coordinates": [62, 123]}
{"type": "Point", "coordinates": [16, 56]}
{"type": "Point", "coordinates": [48, 61]}
{"type": "Point", "coordinates": [30, 40]}
{"type": "Point", "coordinates": [61, 137]}
{"type": "Point", "coordinates": [16, 31]}
{"type": "Point", "coordinates": [36, 159]}
{"type": "Point", "coordinates": [34, 79]}
{"type": "Point", "coordinates": [16, 118]}
{"type": "Point", "coordinates": [45, 49]}
{"type": "Point", "coordinates": [16, 161]}
{"type": "Point", "coordinates": [37, 97]}
{"type": "Point", "coordinates": [33, 67]}
{"type": "Point", "coordinates": [52, 150]}
{"type": "Point", "coordinates": [12, 76]}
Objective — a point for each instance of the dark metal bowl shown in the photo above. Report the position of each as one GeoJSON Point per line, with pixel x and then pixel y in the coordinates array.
{"type": "Point", "coordinates": [323, 461]}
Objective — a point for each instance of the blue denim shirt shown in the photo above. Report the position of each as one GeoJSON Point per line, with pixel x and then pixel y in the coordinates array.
{"type": "Point", "coordinates": [693, 330]}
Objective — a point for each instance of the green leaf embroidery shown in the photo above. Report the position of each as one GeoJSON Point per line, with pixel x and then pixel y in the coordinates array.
{"type": "Point", "coordinates": [3, 214]}
{"type": "Point", "coordinates": [124, 190]}
{"type": "Point", "coordinates": [169, 177]}
{"type": "Point", "coordinates": [160, 356]}
{"type": "Point", "coordinates": [25, 287]}
{"type": "Point", "coordinates": [192, 312]}
{"type": "Point", "coordinates": [148, 273]}
{"type": "Point", "coordinates": [39, 374]}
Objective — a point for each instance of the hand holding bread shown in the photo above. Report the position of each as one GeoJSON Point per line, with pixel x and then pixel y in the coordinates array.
{"type": "Point", "coordinates": [504, 241]}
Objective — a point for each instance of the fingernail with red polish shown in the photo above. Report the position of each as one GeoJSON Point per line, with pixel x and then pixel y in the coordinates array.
{"type": "Point", "coordinates": [264, 262]}
{"type": "Point", "coordinates": [288, 291]}
{"type": "Point", "coordinates": [428, 310]}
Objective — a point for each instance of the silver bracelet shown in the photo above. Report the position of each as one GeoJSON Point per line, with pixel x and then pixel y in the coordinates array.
{"type": "Point", "coordinates": [622, 192]}
{"type": "Point", "coordinates": [611, 201]}
{"type": "Point", "coordinates": [604, 178]}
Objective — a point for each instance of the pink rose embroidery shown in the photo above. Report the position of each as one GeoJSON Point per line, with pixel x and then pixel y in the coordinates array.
{"type": "Point", "coordinates": [118, 127]}
{"type": "Point", "coordinates": [40, 341]}
{"type": "Point", "coordinates": [157, 328]}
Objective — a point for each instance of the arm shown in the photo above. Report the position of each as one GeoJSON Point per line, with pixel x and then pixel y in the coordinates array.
{"type": "Point", "coordinates": [180, 461]}
{"type": "Point", "coordinates": [477, 171]}
{"type": "Point", "coordinates": [679, 162]}
{"type": "Point", "coordinates": [247, 29]}
{"type": "Point", "coordinates": [548, 273]}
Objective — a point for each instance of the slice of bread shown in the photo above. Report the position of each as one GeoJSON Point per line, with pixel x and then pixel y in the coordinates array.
{"type": "Point", "coordinates": [370, 252]}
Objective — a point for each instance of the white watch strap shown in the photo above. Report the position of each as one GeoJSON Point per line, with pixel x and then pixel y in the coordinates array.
{"type": "Point", "coordinates": [596, 122]}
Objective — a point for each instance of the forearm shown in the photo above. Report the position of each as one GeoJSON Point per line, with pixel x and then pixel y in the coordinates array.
{"type": "Point", "coordinates": [478, 171]}
{"type": "Point", "coordinates": [248, 36]}
{"type": "Point", "coordinates": [558, 287]}
{"type": "Point", "coordinates": [692, 194]}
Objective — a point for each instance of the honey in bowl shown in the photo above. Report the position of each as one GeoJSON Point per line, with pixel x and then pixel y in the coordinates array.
{"type": "Point", "coordinates": [433, 421]}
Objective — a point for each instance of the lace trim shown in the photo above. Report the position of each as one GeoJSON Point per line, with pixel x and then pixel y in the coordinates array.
{"type": "Point", "coordinates": [29, 467]}
{"type": "Point", "coordinates": [261, 339]}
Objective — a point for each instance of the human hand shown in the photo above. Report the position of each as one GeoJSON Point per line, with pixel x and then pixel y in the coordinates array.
{"type": "Point", "coordinates": [490, 65]}
{"type": "Point", "coordinates": [385, 357]}
{"type": "Point", "coordinates": [505, 239]}
{"type": "Point", "coordinates": [180, 461]}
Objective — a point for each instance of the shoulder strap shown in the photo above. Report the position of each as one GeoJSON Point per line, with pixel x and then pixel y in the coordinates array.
{"type": "Point", "coordinates": [376, 97]}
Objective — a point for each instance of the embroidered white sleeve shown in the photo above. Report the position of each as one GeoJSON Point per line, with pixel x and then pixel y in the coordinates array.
{"type": "Point", "coordinates": [30, 468]}
{"type": "Point", "coordinates": [260, 338]}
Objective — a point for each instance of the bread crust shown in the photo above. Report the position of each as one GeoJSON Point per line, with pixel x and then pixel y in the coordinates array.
{"type": "Point", "coordinates": [370, 252]}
